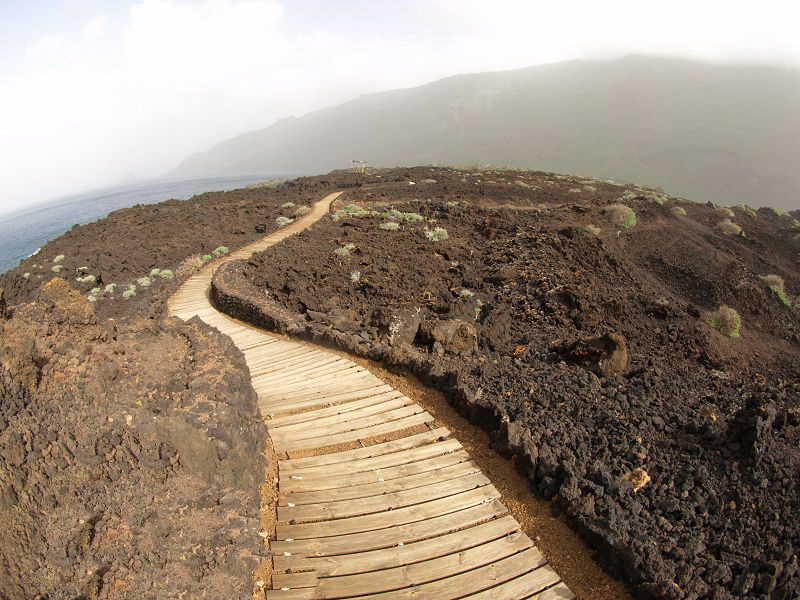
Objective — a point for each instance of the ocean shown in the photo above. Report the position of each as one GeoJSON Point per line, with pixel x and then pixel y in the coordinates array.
{"type": "Point", "coordinates": [24, 232]}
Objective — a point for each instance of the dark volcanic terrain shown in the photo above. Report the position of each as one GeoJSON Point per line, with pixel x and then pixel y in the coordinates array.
{"type": "Point", "coordinates": [586, 326]}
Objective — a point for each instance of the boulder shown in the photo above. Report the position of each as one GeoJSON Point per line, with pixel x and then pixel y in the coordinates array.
{"type": "Point", "coordinates": [606, 354]}
{"type": "Point", "coordinates": [455, 336]}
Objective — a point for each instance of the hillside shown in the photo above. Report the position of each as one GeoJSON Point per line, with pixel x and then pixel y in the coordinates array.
{"type": "Point", "coordinates": [727, 134]}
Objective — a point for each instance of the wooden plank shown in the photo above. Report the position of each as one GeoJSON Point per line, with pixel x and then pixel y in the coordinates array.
{"type": "Point", "coordinates": [318, 390]}
{"type": "Point", "coordinates": [338, 409]}
{"type": "Point", "coordinates": [379, 462]}
{"type": "Point", "coordinates": [397, 556]}
{"type": "Point", "coordinates": [524, 586]}
{"type": "Point", "coordinates": [381, 487]}
{"type": "Point", "coordinates": [401, 516]}
{"type": "Point", "coordinates": [299, 483]}
{"type": "Point", "coordinates": [319, 385]}
{"type": "Point", "coordinates": [457, 586]}
{"type": "Point", "coordinates": [274, 406]}
{"type": "Point", "coordinates": [338, 508]}
{"type": "Point", "coordinates": [289, 445]}
{"type": "Point", "coordinates": [346, 416]}
{"type": "Point", "coordinates": [413, 441]}
{"type": "Point", "coordinates": [299, 357]}
{"type": "Point", "coordinates": [392, 536]}
{"type": "Point", "coordinates": [314, 431]}
{"type": "Point", "coordinates": [560, 591]}
{"type": "Point", "coordinates": [348, 586]}
{"type": "Point", "coordinates": [309, 372]}
{"type": "Point", "coordinates": [307, 579]}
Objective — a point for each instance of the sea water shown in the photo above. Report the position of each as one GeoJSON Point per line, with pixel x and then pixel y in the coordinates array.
{"type": "Point", "coordinates": [23, 233]}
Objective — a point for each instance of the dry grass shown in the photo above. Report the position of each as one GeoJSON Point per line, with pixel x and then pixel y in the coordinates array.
{"type": "Point", "coordinates": [728, 227]}
{"type": "Point", "coordinates": [621, 215]}
{"type": "Point", "coordinates": [726, 320]}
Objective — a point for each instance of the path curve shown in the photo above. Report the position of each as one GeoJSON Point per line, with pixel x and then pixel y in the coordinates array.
{"type": "Point", "coordinates": [408, 516]}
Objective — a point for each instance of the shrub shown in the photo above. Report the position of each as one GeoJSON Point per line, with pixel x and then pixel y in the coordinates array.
{"type": "Point", "coordinates": [58, 258]}
{"type": "Point", "coordinates": [351, 210]}
{"type": "Point", "coordinates": [288, 205]}
{"type": "Point", "coordinates": [390, 226]}
{"type": "Point", "coordinates": [747, 210]}
{"type": "Point", "coordinates": [725, 211]}
{"type": "Point", "coordinates": [82, 269]}
{"type": "Point", "coordinates": [410, 217]}
{"type": "Point", "coordinates": [621, 215]}
{"type": "Point", "coordinates": [678, 211]}
{"type": "Point", "coordinates": [775, 283]}
{"type": "Point", "coordinates": [655, 197]}
{"type": "Point", "coordinates": [478, 308]}
{"type": "Point", "coordinates": [344, 250]}
{"type": "Point", "coordinates": [220, 251]}
{"type": "Point", "coordinates": [795, 224]}
{"type": "Point", "coordinates": [91, 298]}
{"type": "Point", "coordinates": [206, 258]}
{"type": "Point", "coordinates": [355, 276]}
{"type": "Point", "coordinates": [593, 229]}
{"type": "Point", "coordinates": [190, 265]}
{"type": "Point", "coordinates": [301, 210]}
{"type": "Point", "coordinates": [166, 274]}
{"type": "Point", "coordinates": [726, 320]}
{"type": "Point", "coordinates": [57, 268]}
{"type": "Point", "coordinates": [283, 221]}
{"type": "Point", "coordinates": [130, 292]}
{"type": "Point", "coordinates": [155, 272]}
{"type": "Point", "coordinates": [144, 282]}
{"type": "Point", "coordinates": [465, 293]}
{"type": "Point", "coordinates": [111, 288]}
{"type": "Point", "coordinates": [437, 234]}
{"type": "Point", "coordinates": [86, 279]}
{"type": "Point", "coordinates": [728, 227]}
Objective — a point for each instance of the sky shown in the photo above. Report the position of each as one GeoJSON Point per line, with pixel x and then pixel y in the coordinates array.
{"type": "Point", "coordinates": [93, 92]}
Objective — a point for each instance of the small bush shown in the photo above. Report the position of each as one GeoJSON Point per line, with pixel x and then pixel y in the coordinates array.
{"type": "Point", "coordinates": [111, 288]}
{"type": "Point", "coordinates": [95, 291]}
{"type": "Point", "coordinates": [478, 308]}
{"type": "Point", "coordinates": [465, 293]}
{"type": "Point", "coordinates": [91, 298]}
{"type": "Point", "coordinates": [166, 274]}
{"type": "Point", "coordinates": [220, 251]}
{"type": "Point", "coordinates": [56, 268]}
{"type": "Point", "coordinates": [621, 215]}
{"type": "Point", "coordinates": [144, 282]}
{"type": "Point", "coordinates": [593, 229]}
{"type": "Point", "coordinates": [301, 210]}
{"type": "Point", "coordinates": [283, 221]}
{"type": "Point", "coordinates": [410, 217]}
{"type": "Point", "coordinates": [130, 292]}
{"type": "Point", "coordinates": [351, 210]}
{"type": "Point", "coordinates": [86, 279]}
{"type": "Point", "coordinates": [155, 272]}
{"type": "Point", "coordinates": [726, 211]}
{"type": "Point", "coordinates": [206, 258]}
{"type": "Point", "coordinates": [728, 227]}
{"type": "Point", "coordinates": [678, 211]}
{"type": "Point", "coordinates": [776, 284]}
{"type": "Point", "coordinates": [344, 250]}
{"type": "Point", "coordinates": [437, 234]}
{"type": "Point", "coordinates": [795, 224]}
{"type": "Point", "coordinates": [747, 210]}
{"type": "Point", "coordinates": [726, 320]}
{"type": "Point", "coordinates": [288, 205]}
{"type": "Point", "coordinates": [355, 276]}
{"type": "Point", "coordinates": [390, 226]}
{"type": "Point", "coordinates": [58, 259]}
{"type": "Point", "coordinates": [190, 265]}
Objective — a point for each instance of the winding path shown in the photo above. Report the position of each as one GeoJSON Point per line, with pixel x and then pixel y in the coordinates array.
{"type": "Point", "coordinates": [408, 516]}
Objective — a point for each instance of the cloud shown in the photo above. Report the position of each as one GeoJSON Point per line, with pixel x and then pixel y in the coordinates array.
{"type": "Point", "coordinates": [95, 26]}
{"type": "Point", "coordinates": [44, 45]}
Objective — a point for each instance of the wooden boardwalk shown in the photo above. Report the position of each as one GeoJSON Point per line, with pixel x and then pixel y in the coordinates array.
{"type": "Point", "coordinates": [374, 501]}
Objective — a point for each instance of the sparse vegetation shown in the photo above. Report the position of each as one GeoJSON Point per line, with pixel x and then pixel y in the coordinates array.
{"type": "Point", "coordinates": [288, 205]}
{"type": "Point", "coordinates": [351, 210]}
{"type": "Point", "coordinates": [390, 226]}
{"type": "Point", "coordinates": [56, 268]}
{"type": "Point", "coordinates": [283, 221]}
{"type": "Point", "coordinates": [726, 320]}
{"type": "Point", "coordinates": [144, 282]}
{"type": "Point", "coordinates": [166, 274]}
{"type": "Point", "coordinates": [355, 276]}
{"type": "Point", "coordinates": [437, 234]}
{"type": "Point", "coordinates": [111, 288]}
{"type": "Point", "coordinates": [725, 211]}
{"type": "Point", "coordinates": [155, 272]}
{"type": "Point", "coordinates": [409, 217]}
{"type": "Point", "coordinates": [345, 250]}
{"type": "Point", "coordinates": [593, 229]}
{"type": "Point", "coordinates": [301, 210]}
{"type": "Point", "coordinates": [86, 279]}
{"type": "Point", "coordinates": [190, 265]}
{"type": "Point", "coordinates": [58, 259]}
{"type": "Point", "coordinates": [206, 258]}
{"type": "Point", "coordinates": [130, 292]}
{"type": "Point", "coordinates": [678, 211]}
{"type": "Point", "coordinates": [621, 215]}
{"type": "Point", "coordinates": [728, 227]}
{"type": "Point", "coordinates": [220, 251]}
{"type": "Point", "coordinates": [747, 210]}
{"type": "Point", "coordinates": [465, 293]}
{"type": "Point", "coordinates": [776, 284]}
{"type": "Point", "coordinates": [478, 308]}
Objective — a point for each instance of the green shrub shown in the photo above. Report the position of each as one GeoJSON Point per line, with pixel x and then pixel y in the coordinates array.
{"type": "Point", "coordinates": [301, 210]}
{"type": "Point", "coordinates": [166, 274]}
{"type": "Point", "coordinates": [144, 282]}
{"type": "Point", "coordinates": [283, 221]}
{"type": "Point", "coordinates": [95, 291]}
{"type": "Point", "coordinates": [220, 251]}
{"type": "Point", "coordinates": [111, 288]}
{"type": "Point", "coordinates": [410, 217]}
{"type": "Point", "coordinates": [726, 320]}
{"type": "Point", "coordinates": [355, 276]}
{"type": "Point", "coordinates": [56, 268]}
{"type": "Point", "coordinates": [91, 298]}
{"type": "Point", "coordinates": [130, 292]}
{"type": "Point", "coordinates": [678, 211]}
{"type": "Point", "coordinates": [776, 284]}
{"type": "Point", "coordinates": [155, 272]}
{"type": "Point", "coordinates": [621, 215]}
{"type": "Point", "coordinates": [58, 258]}
{"type": "Point", "coordinates": [351, 210]}
{"type": "Point", "coordinates": [437, 234]}
{"type": "Point", "coordinates": [206, 258]}
{"type": "Point", "coordinates": [390, 226]}
{"type": "Point", "coordinates": [478, 308]}
{"type": "Point", "coordinates": [288, 205]}
{"type": "Point", "coordinates": [344, 250]}
{"type": "Point", "coordinates": [728, 227]}
{"type": "Point", "coordinates": [465, 293]}
{"type": "Point", "coordinates": [86, 279]}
